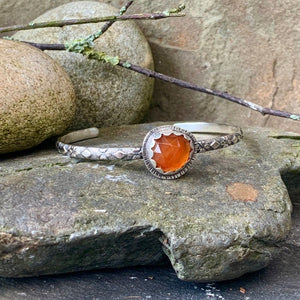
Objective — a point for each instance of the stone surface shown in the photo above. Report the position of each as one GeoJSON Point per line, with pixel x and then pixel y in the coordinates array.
{"type": "Point", "coordinates": [249, 49]}
{"type": "Point", "coordinates": [65, 216]}
{"type": "Point", "coordinates": [37, 99]}
{"type": "Point", "coordinates": [280, 280]}
{"type": "Point", "coordinates": [20, 12]}
{"type": "Point", "coordinates": [106, 95]}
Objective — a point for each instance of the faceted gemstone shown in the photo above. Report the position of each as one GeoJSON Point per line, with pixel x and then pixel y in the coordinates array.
{"type": "Point", "coordinates": [171, 152]}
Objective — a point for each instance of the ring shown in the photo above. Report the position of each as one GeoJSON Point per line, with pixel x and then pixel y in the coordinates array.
{"type": "Point", "coordinates": [167, 150]}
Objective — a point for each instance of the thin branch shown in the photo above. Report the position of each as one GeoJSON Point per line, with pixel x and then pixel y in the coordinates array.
{"type": "Point", "coordinates": [92, 54]}
{"type": "Point", "coordinates": [220, 94]}
{"type": "Point", "coordinates": [108, 24]}
{"type": "Point", "coordinates": [146, 16]}
{"type": "Point", "coordinates": [41, 46]}
{"type": "Point", "coordinates": [91, 38]}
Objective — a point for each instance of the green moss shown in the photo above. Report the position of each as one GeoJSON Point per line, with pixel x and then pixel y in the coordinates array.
{"type": "Point", "coordinates": [122, 10]}
{"type": "Point", "coordinates": [79, 45]}
{"type": "Point", "coordinates": [26, 169]}
{"type": "Point", "coordinates": [126, 64]}
{"type": "Point", "coordinates": [180, 8]}
{"type": "Point", "coordinates": [60, 164]}
{"type": "Point", "coordinates": [292, 137]}
{"type": "Point", "coordinates": [101, 56]}
{"type": "Point", "coordinates": [8, 38]}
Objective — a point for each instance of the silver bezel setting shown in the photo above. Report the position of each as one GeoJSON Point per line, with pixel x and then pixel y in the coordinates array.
{"type": "Point", "coordinates": [149, 142]}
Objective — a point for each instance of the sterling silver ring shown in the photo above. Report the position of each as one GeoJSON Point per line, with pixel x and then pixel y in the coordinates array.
{"type": "Point", "coordinates": [167, 150]}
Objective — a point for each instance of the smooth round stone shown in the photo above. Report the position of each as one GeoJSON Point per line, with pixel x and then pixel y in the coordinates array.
{"type": "Point", "coordinates": [106, 95]}
{"type": "Point", "coordinates": [37, 99]}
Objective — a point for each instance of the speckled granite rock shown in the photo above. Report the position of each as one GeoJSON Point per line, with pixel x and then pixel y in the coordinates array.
{"type": "Point", "coordinates": [106, 95]}
{"type": "Point", "coordinates": [225, 217]}
{"type": "Point", "coordinates": [37, 98]}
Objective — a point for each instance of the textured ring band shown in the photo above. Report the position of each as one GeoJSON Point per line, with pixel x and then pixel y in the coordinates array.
{"type": "Point", "coordinates": [167, 150]}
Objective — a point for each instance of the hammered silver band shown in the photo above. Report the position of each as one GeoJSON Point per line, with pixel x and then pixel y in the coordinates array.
{"type": "Point", "coordinates": [221, 136]}
{"type": "Point", "coordinates": [93, 153]}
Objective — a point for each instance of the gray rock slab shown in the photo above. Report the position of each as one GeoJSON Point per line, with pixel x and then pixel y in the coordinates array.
{"type": "Point", "coordinates": [280, 280]}
{"type": "Point", "coordinates": [227, 216]}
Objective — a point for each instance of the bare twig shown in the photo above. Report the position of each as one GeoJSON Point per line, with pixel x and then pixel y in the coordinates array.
{"type": "Point", "coordinates": [90, 38]}
{"type": "Point", "coordinates": [42, 46]}
{"type": "Point", "coordinates": [108, 24]}
{"type": "Point", "coordinates": [93, 54]}
{"type": "Point", "coordinates": [220, 94]}
{"type": "Point", "coordinates": [146, 16]}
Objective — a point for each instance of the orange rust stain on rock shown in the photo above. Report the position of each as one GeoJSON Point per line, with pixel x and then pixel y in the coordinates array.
{"type": "Point", "coordinates": [242, 192]}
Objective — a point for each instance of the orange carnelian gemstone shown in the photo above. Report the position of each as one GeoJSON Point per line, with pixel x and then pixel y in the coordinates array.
{"type": "Point", "coordinates": [171, 152]}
